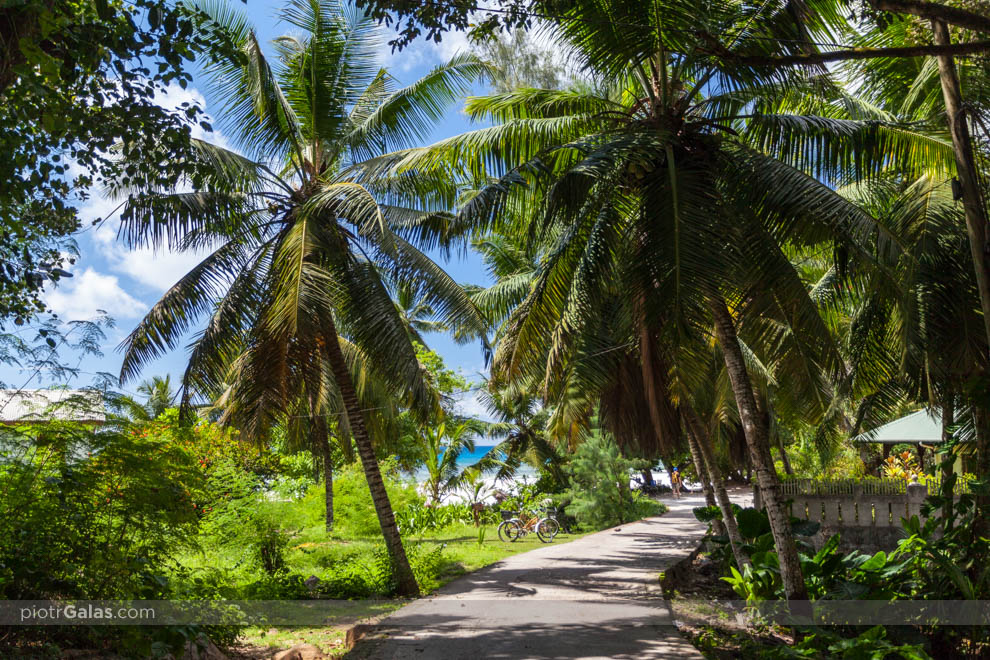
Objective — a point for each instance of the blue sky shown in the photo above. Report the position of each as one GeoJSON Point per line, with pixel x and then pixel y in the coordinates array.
{"type": "Point", "coordinates": [126, 283]}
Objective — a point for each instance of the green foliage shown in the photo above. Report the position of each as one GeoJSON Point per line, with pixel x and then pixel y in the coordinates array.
{"type": "Point", "coordinates": [752, 523]}
{"type": "Point", "coordinates": [599, 494]}
{"type": "Point", "coordinates": [354, 512]}
{"type": "Point", "coordinates": [520, 62]}
{"type": "Point", "coordinates": [872, 644]}
{"type": "Point", "coordinates": [94, 515]}
{"type": "Point", "coordinates": [411, 18]}
{"type": "Point", "coordinates": [446, 381]}
{"type": "Point", "coordinates": [119, 55]}
{"type": "Point", "coordinates": [239, 518]}
{"type": "Point", "coordinates": [418, 518]}
{"type": "Point", "coordinates": [210, 443]}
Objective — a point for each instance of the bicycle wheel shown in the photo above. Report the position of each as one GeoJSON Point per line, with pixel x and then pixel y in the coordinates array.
{"type": "Point", "coordinates": [508, 531]}
{"type": "Point", "coordinates": [546, 529]}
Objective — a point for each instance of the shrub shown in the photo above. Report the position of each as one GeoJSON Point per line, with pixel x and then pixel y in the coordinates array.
{"type": "Point", "coordinates": [96, 515]}
{"type": "Point", "coordinates": [600, 496]}
{"type": "Point", "coordinates": [209, 443]}
{"type": "Point", "coordinates": [354, 511]}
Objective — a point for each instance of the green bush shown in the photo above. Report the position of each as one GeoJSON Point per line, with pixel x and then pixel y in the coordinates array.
{"type": "Point", "coordinates": [354, 511]}
{"type": "Point", "coordinates": [599, 495]}
{"type": "Point", "coordinates": [418, 518]}
{"type": "Point", "coordinates": [240, 519]}
{"type": "Point", "coordinates": [96, 514]}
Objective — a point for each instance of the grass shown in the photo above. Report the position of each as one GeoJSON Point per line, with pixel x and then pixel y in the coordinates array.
{"type": "Point", "coordinates": [312, 552]}
{"type": "Point", "coordinates": [462, 553]}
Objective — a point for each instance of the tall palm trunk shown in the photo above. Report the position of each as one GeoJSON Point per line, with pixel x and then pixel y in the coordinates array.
{"type": "Point", "coordinates": [981, 521]}
{"type": "Point", "coordinates": [324, 440]}
{"type": "Point", "coordinates": [758, 440]}
{"type": "Point", "coordinates": [974, 206]}
{"type": "Point", "coordinates": [355, 417]}
{"type": "Point", "coordinates": [763, 409]}
{"type": "Point", "coordinates": [702, 440]}
{"type": "Point", "coordinates": [948, 419]}
{"type": "Point", "coordinates": [320, 442]}
{"type": "Point", "coordinates": [705, 478]}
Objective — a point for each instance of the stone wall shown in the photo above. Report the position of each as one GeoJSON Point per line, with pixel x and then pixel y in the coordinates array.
{"type": "Point", "coordinates": [867, 515]}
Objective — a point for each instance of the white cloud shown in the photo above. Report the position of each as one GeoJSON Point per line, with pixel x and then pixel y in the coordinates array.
{"type": "Point", "coordinates": [426, 53]}
{"type": "Point", "coordinates": [469, 404]}
{"type": "Point", "coordinates": [82, 296]}
{"type": "Point", "coordinates": [157, 270]}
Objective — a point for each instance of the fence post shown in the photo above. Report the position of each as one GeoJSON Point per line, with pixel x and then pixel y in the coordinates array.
{"type": "Point", "coordinates": [916, 494]}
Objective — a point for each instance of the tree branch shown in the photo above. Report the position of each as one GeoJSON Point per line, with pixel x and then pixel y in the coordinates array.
{"type": "Point", "coordinates": [722, 53]}
{"type": "Point", "coordinates": [933, 10]}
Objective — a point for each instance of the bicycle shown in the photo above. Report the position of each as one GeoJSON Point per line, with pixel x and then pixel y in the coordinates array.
{"type": "Point", "coordinates": [512, 527]}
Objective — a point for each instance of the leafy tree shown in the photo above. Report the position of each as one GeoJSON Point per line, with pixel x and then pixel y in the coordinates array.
{"type": "Point", "coordinates": [412, 17]}
{"type": "Point", "coordinates": [599, 495]}
{"type": "Point", "coordinates": [78, 86]}
{"type": "Point", "coordinates": [518, 61]}
{"type": "Point", "coordinates": [303, 227]}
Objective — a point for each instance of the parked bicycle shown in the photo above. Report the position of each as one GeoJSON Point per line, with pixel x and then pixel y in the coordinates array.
{"type": "Point", "coordinates": [513, 527]}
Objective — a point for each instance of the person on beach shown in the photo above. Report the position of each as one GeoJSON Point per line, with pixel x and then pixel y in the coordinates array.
{"type": "Point", "coordinates": [675, 482]}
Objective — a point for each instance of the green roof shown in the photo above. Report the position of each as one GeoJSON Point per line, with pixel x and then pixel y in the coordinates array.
{"type": "Point", "coordinates": [921, 426]}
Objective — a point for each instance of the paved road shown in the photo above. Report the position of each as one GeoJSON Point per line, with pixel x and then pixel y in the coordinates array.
{"type": "Point", "coordinates": [595, 597]}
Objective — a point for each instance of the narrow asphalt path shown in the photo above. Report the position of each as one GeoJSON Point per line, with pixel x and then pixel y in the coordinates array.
{"type": "Point", "coordinates": [595, 597]}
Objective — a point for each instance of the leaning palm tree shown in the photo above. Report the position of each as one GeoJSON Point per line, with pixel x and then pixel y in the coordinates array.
{"type": "Point", "coordinates": [678, 185]}
{"type": "Point", "coordinates": [301, 241]}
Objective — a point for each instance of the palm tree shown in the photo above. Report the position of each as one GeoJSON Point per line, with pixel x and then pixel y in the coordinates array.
{"type": "Point", "coordinates": [416, 315]}
{"type": "Point", "coordinates": [439, 446]}
{"type": "Point", "coordinates": [520, 423]}
{"type": "Point", "coordinates": [158, 397]}
{"type": "Point", "coordinates": [668, 199]}
{"type": "Point", "coordinates": [303, 232]}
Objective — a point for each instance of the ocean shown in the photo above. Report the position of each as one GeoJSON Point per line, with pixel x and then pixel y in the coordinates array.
{"type": "Point", "coordinates": [469, 458]}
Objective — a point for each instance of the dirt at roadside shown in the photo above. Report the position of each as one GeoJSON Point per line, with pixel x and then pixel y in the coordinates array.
{"type": "Point", "coordinates": [699, 600]}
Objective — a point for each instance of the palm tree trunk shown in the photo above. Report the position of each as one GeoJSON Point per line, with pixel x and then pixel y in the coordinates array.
{"type": "Point", "coordinates": [320, 444]}
{"type": "Point", "coordinates": [783, 457]}
{"type": "Point", "coordinates": [981, 520]}
{"type": "Point", "coordinates": [757, 438]}
{"type": "Point", "coordinates": [703, 441]}
{"type": "Point", "coordinates": [355, 417]}
{"type": "Point", "coordinates": [948, 419]}
{"type": "Point", "coordinates": [324, 440]}
{"type": "Point", "coordinates": [764, 410]}
{"type": "Point", "coordinates": [976, 227]}
{"type": "Point", "coordinates": [705, 477]}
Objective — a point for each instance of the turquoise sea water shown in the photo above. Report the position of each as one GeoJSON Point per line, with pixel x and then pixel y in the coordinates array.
{"type": "Point", "coordinates": [469, 458]}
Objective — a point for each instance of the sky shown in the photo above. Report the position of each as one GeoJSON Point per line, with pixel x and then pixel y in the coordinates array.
{"type": "Point", "coordinates": [125, 283]}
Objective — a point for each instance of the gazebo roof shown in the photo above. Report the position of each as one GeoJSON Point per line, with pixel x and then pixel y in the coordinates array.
{"type": "Point", "coordinates": [918, 427]}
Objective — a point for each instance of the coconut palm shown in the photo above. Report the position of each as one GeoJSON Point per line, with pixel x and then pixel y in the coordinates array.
{"type": "Point", "coordinates": [438, 447]}
{"type": "Point", "coordinates": [670, 197]}
{"type": "Point", "coordinates": [520, 424]}
{"type": "Point", "coordinates": [301, 240]}
{"type": "Point", "coordinates": [158, 397]}
{"type": "Point", "coordinates": [416, 315]}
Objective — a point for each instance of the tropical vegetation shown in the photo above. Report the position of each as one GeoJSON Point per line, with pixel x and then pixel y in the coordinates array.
{"type": "Point", "coordinates": [731, 237]}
